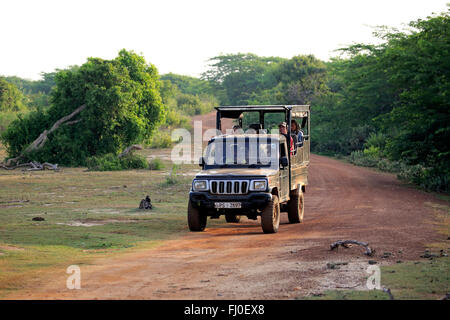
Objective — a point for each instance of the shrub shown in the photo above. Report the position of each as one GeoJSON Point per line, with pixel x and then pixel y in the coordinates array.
{"type": "Point", "coordinates": [7, 117]}
{"type": "Point", "coordinates": [372, 152]}
{"type": "Point", "coordinates": [156, 164]}
{"type": "Point", "coordinates": [359, 158]}
{"type": "Point", "coordinates": [111, 162]}
{"type": "Point", "coordinates": [389, 166]}
{"type": "Point", "coordinates": [377, 140]}
{"type": "Point", "coordinates": [177, 120]}
{"type": "Point", "coordinates": [160, 140]}
{"type": "Point", "coordinates": [431, 179]}
{"type": "Point", "coordinates": [172, 178]}
{"type": "Point", "coordinates": [133, 161]}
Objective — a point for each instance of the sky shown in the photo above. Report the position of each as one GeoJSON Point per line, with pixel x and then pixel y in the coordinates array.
{"type": "Point", "coordinates": [180, 36]}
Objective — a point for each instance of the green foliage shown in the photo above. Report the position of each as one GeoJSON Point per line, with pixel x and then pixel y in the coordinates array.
{"type": "Point", "coordinates": [240, 78]}
{"type": "Point", "coordinates": [6, 118]}
{"type": "Point", "coordinates": [360, 158]}
{"type": "Point", "coordinates": [123, 107]}
{"type": "Point", "coordinates": [11, 99]}
{"type": "Point", "coordinates": [188, 85]}
{"type": "Point", "coordinates": [111, 162]}
{"type": "Point", "coordinates": [172, 178]}
{"type": "Point", "coordinates": [392, 100]}
{"type": "Point", "coordinates": [161, 140]}
{"type": "Point", "coordinates": [156, 164]}
{"type": "Point", "coordinates": [180, 104]}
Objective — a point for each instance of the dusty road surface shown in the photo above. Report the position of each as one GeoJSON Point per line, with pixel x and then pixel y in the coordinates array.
{"type": "Point", "coordinates": [238, 261]}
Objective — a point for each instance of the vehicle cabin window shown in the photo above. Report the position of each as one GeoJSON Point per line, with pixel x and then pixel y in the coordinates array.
{"type": "Point", "coordinates": [272, 120]}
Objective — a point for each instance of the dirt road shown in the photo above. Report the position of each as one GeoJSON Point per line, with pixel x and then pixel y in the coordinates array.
{"type": "Point", "coordinates": [238, 261]}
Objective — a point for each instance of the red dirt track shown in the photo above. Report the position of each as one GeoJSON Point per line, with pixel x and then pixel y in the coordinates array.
{"type": "Point", "coordinates": [238, 261]}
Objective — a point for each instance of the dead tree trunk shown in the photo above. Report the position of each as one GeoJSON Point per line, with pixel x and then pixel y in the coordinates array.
{"type": "Point", "coordinates": [130, 149]}
{"type": "Point", "coordinates": [345, 244]}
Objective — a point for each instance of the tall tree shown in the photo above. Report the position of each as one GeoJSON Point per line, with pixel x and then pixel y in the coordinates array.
{"type": "Point", "coordinates": [123, 107]}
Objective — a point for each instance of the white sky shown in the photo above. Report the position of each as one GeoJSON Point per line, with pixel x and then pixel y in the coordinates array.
{"type": "Point", "coordinates": [179, 36]}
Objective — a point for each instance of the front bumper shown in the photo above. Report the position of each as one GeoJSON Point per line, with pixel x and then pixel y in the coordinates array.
{"type": "Point", "coordinates": [250, 201]}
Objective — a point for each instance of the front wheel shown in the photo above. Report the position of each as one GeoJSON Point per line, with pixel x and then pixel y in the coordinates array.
{"type": "Point", "coordinates": [270, 216]}
{"type": "Point", "coordinates": [196, 220]}
{"type": "Point", "coordinates": [296, 208]}
{"type": "Point", "coordinates": [232, 218]}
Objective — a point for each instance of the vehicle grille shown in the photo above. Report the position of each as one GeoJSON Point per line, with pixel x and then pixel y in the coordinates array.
{"type": "Point", "coordinates": [229, 186]}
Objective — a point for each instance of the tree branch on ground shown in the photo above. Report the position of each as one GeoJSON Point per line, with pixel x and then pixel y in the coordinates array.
{"type": "Point", "coordinates": [345, 243]}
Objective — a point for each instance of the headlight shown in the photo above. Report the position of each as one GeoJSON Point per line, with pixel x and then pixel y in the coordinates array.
{"type": "Point", "coordinates": [258, 185]}
{"type": "Point", "coordinates": [200, 185]}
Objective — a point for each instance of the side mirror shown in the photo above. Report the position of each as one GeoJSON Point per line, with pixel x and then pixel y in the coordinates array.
{"type": "Point", "coordinates": [284, 162]}
{"type": "Point", "coordinates": [201, 162]}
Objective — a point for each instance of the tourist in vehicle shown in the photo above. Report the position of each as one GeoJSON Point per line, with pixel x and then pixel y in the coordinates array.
{"type": "Point", "coordinates": [295, 129]}
{"type": "Point", "coordinates": [237, 130]}
{"type": "Point", "coordinates": [283, 130]}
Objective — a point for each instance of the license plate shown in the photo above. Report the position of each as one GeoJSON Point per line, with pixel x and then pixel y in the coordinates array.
{"type": "Point", "coordinates": [227, 205]}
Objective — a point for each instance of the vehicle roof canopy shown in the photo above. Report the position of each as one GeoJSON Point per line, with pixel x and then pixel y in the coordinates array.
{"type": "Point", "coordinates": [235, 112]}
{"type": "Point", "coordinates": [252, 135]}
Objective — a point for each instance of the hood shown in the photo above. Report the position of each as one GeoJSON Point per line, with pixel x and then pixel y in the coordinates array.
{"type": "Point", "coordinates": [241, 172]}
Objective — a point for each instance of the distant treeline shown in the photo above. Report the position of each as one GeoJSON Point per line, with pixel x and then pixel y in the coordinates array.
{"type": "Point", "coordinates": [384, 105]}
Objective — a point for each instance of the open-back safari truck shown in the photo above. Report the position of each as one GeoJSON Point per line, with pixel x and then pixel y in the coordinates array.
{"type": "Point", "coordinates": [252, 169]}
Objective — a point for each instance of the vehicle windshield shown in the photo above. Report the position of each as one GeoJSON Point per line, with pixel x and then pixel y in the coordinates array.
{"type": "Point", "coordinates": [245, 152]}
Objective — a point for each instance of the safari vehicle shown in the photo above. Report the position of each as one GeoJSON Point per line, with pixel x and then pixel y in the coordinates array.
{"type": "Point", "coordinates": [255, 173]}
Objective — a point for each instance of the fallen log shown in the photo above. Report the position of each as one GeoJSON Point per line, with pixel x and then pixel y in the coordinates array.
{"type": "Point", "coordinates": [345, 243]}
{"type": "Point", "coordinates": [33, 166]}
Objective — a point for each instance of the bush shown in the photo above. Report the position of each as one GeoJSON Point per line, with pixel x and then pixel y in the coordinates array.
{"type": "Point", "coordinates": [156, 164]}
{"type": "Point", "coordinates": [431, 179]}
{"type": "Point", "coordinates": [389, 166]}
{"type": "Point", "coordinates": [177, 120]}
{"type": "Point", "coordinates": [377, 140]}
{"type": "Point", "coordinates": [111, 162]}
{"type": "Point", "coordinates": [172, 178]}
{"type": "Point", "coordinates": [359, 158]}
{"type": "Point", "coordinates": [6, 118]}
{"type": "Point", "coordinates": [160, 140]}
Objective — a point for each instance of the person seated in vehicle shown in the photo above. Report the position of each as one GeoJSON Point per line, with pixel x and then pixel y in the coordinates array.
{"type": "Point", "coordinates": [257, 127]}
{"type": "Point", "coordinates": [237, 130]}
{"type": "Point", "coordinates": [295, 129]}
{"type": "Point", "coordinates": [283, 130]}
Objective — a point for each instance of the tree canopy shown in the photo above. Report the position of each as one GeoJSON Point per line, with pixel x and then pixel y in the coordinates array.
{"type": "Point", "coordinates": [11, 98]}
{"type": "Point", "coordinates": [123, 107]}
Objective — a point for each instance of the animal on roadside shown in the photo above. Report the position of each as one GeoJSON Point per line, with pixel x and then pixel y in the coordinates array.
{"type": "Point", "coordinates": [146, 203]}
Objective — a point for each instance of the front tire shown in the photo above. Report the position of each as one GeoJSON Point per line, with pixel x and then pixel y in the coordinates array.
{"type": "Point", "coordinates": [232, 218]}
{"type": "Point", "coordinates": [296, 208]}
{"type": "Point", "coordinates": [196, 220]}
{"type": "Point", "coordinates": [270, 216]}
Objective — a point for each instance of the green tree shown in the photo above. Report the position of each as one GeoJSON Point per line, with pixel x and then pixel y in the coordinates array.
{"type": "Point", "coordinates": [11, 99]}
{"type": "Point", "coordinates": [123, 107]}
{"type": "Point", "coordinates": [239, 78]}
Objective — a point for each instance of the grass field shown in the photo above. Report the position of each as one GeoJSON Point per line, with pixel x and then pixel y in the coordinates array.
{"type": "Point", "coordinates": [87, 215]}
